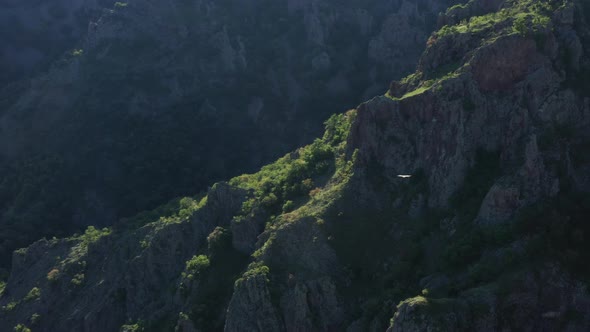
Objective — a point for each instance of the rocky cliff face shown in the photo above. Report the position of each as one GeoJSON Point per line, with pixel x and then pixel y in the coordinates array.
{"type": "Point", "coordinates": [169, 90]}
{"type": "Point", "coordinates": [457, 201]}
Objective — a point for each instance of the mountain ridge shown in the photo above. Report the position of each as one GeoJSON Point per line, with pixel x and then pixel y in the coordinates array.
{"type": "Point", "coordinates": [489, 232]}
{"type": "Point", "coordinates": [137, 111]}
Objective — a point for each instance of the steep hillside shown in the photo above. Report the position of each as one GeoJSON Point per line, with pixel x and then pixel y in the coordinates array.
{"type": "Point", "coordinates": [458, 201]}
{"type": "Point", "coordinates": [162, 98]}
{"type": "Point", "coordinates": [34, 32]}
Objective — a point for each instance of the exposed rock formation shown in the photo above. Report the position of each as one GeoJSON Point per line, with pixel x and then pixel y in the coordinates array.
{"type": "Point", "coordinates": [457, 201]}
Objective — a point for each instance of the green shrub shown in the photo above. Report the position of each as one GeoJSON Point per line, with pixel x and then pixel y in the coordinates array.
{"type": "Point", "coordinates": [314, 192]}
{"type": "Point", "coordinates": [21, 328]}
{"type": "Point", "coordinates": [53, 275]}
{"type": "Point", "coordinates": [254, 271]}
{"type": "Point", "coordinates": [33, 294]}
{"type": "Point", "coordinates": [456, 7]}
{"type": "Point", "coordinates": [531, 24]}
{"type": "Point", "coordinates": [337, 128]}
{"type": "Point", "coordinates": [288, 206]}
{"type": "Point", "coordinates": [10, 306]}
{"type": "Point", "coordinates": [92, 234]}
{"type": "Point", "coordinates": [520, 25]}
{"type": "Point", "coordinates": [78, 279]}
{"type": "Point", "coordinates": [196, 266]}
{"type": "Point", "coordinates": [35, 319]}
{"type": "Point", "coordinates": [137, 327]}
{"type": "Point", "coordinates": [270, 200]}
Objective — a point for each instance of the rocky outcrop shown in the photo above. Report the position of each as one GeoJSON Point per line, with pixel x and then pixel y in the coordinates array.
{"type": "Point", "coordinates": [538, 302]}
{"type": "Point", "coordinates": [393, 50]}
{"type": "Point", "coordinates": [310, 305]}
{"type": "Point", "coordinates": [497, 69]}
{"type": "Point", "coordinates": [252, 293]}
{"type": "Point", "coordinates": [451, 122]}
{"type": "Point", "coordinates": [101, 280]}
{"type": "Point", "coordinates": [299, 251]}
{"type": "Point", "coordinates": [464, 183]}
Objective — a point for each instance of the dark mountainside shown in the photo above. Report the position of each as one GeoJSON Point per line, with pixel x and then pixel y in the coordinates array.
{"type": "Point", "coordinates": [35, 32]}
{"type": "Point", "coordinates": [157, 99]}
{"type": "Point", "coordinates": [489, 233]}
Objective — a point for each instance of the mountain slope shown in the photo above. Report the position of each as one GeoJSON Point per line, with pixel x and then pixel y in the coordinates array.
{"type": "Point", "coordinates": [35, 33]}
{"type": "Point", "coordinates": [161, 99]}
{"type": "Point", "coordinates": [457, 201]}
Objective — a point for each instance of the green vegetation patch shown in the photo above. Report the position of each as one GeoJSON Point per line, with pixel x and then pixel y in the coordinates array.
{"type": "Point", "coordinates": [523, 17]}
{"type": "Point", "coordinates": [254, 270]}
{"type": "Point", "coordinates": [34, 294]}
{"type": "Point", "coordinates": [10, 306]}
{"type": "Point", "coordinates": [21, 328]}
{"type": "Point", "coordinates": [35, 319]}
{"type": "Point", "coordinates": [137, 327]}
{"type": "Point", "coordinates": [298, 177]}
{"type": "Point", "coordinates": [78, 52]}
{"type": "Point", "coordinates": [176, 210]}
{"type": "Point", "coordinates": [195, 266]}
{"type": "Point", "coordinates": [78, 279]}
{"type": "Point", "coordinates": [80, 249]}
